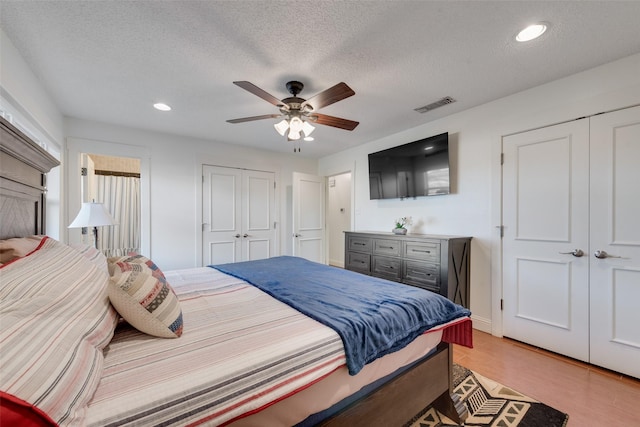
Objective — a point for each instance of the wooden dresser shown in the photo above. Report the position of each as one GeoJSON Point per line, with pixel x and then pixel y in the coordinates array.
{"type": "Point", "coordinates": [437, 263]}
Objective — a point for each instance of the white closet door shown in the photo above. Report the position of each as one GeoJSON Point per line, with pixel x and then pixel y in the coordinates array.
{"type": "Point", "coordinates": [221, 216]}
{"type": "Point", "coordinates": [615, 229]}
{"type": "Point", "coordinates": [546, 216]}
{"type": "Point", "coordinates": [258, 236]}
{"type": "Point", "coordinates": [238, 215]}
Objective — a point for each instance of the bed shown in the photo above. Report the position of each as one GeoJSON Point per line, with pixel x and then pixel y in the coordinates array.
{"type": "Point", "coordinates": [91, 341]}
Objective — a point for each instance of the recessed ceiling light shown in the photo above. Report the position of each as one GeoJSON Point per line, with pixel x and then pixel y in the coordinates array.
{"type": "Point", "coordinates": [161, 106]}
{"type": "Point", "coordinates": [308, 138]}
{"type": "Point", "coordinates": [531, 32]}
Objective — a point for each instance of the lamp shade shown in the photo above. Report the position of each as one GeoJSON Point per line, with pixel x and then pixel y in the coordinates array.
{"type": "Point", "coordinates": [307, 128]}
{"type": "Point", "coordinates": [295, 125]}
{"type": "Point", "coordinates": [281, 127]}
{"type": "Point", "coordinates": [92, 214]}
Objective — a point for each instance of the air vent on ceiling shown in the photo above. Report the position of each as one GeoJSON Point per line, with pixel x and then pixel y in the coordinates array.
{"type": "Point", "coordinates": [444, 101]}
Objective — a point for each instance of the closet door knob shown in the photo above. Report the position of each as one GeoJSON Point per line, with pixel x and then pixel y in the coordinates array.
{"type": "Point", "coordinates": [576, 253]}
{"type": "Point", "coordinates": [603, 255]}
{"type": "Point", "coordinates": [237, 236]}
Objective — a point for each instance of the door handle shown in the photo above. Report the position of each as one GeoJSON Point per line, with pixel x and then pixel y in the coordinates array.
{"type": "Point", "coordinates": [237, 236]}
{"type": "Point", "coordinates": [297, 235]}
{"type": "Point", "coordinates": [245, 235]}
{"type": "Point", "coordinates": [603, 255]}
{"type": "Point", "coordinates": [576, 253]}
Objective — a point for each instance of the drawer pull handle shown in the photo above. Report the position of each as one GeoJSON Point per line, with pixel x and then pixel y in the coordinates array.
{"type": "Point", "coordinates": [390, 267]}
{"type": "Point", "coordinates": [359, 244]}
{"type": "Point", "coordinates": [385, 247]}
{"type": "Point", "coordinates": [424, 252]}
{"type": "Point", "coordinates": [419, 273]}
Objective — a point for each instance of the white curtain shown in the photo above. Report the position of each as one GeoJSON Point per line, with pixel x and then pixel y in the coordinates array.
{"type": "Point", "coordinates": [121, 197]}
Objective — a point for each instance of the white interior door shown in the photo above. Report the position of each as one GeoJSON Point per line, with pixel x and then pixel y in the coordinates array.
{"type": "Point", "coordinates": [615, 229]}
{"type": "Point", "coordinates": [308, 217]}
{"type": "Point", "coordinates": [221, 216]}
{"type": "Point", "coordinates": [258, 225]}
{"type": "Point", "coordinates": [545, 216]}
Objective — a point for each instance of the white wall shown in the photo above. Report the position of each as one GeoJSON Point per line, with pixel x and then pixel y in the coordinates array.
{"type": "Point", "coordinates": [474, 207]}
{"type": "Point", "coordinates": [32, 109]}
{"type": "Point", "coordinates": [175, 168]}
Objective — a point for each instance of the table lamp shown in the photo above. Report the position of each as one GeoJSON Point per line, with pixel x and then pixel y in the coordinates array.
{"type": "Point", "coordinates": [93, 214]}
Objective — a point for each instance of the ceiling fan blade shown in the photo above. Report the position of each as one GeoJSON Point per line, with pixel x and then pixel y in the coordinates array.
{"type": "Point", "coordinates": [250, 87]}
{"type": "Point", "coordinates": [250, 119]}
{"type": "Point", "coordinates": [336, 122]}
{"type": "Point", "coordinates": [329, 96]}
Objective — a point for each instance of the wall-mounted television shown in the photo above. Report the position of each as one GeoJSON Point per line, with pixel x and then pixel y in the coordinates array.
{"type": "Point", "coordinates": [419, 168]}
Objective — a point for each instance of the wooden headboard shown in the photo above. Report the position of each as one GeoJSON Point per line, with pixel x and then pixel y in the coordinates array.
{"type": "Point", "coordinates": [23, 168]}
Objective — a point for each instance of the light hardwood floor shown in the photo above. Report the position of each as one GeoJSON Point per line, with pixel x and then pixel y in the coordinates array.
{"type": "Point", "coordinates": [592, 396]}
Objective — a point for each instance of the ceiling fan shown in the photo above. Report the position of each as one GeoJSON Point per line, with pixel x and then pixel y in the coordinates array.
{"type": "Point", "coordinates": [297, 113]}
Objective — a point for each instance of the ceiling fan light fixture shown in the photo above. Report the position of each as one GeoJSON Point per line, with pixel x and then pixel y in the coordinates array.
{"type": "Point", "coordinates": [281, 127]}
{"type": "Point", "coordinates": [307, 129]}
{"type": "Point", "coordinates": [295, 125]}
{"type": "Point", "coordinates": [293, 135]}
{"type": "Point", "coordinates": [296, 113]}
{"type": "Point", "coordinates": [308, 138]}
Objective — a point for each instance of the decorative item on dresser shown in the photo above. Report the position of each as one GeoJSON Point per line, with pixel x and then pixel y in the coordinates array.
{"type": "Point", "coordinates": [400, 225]}
{"type": "Point", "coordinates": [437, 263]}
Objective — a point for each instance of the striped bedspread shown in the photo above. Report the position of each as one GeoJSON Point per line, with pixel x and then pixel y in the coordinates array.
{"type": "Point", "coordinates": [55, 320]}
{"type": "Point", "coordinates": [240, 350]}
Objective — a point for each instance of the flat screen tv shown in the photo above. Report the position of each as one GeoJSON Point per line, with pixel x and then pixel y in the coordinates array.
{"type": "Point", "coordinates": [419, 168]}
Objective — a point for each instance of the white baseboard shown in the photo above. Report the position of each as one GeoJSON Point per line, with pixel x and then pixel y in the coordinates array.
{"type": "Point", "coordinates": [337, 263]}
{"type": "Point", "coordinates": [481, 324]}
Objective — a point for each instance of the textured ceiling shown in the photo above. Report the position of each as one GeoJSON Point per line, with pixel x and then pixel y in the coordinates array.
{"type": "Point", "coordinates": [110, 60]}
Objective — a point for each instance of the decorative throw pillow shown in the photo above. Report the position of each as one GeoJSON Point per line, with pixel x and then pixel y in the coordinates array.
{"type": "Point", "coordinates": [140, 293]}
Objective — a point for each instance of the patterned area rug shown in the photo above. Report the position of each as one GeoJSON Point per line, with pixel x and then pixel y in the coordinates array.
{"type": "Point", "coordinates": [491, 404]}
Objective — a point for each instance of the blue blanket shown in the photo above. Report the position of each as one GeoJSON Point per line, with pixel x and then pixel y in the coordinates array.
{"type": "Point", "coordinates": [373, 316]}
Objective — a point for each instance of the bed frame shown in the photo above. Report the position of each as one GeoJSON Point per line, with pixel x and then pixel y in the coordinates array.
{"type": "Point", "coordinates": [23, 185]}
{"type": "Point", "coordinates": [399, 400]}
{"type": "Point", "coordinates": [23, 168]}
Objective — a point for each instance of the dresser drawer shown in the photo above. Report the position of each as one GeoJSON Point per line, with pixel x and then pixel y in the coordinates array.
{"type": "Point", "coordinates": [422, 250]}
{"type": "Point", "coordinates": [422, 274]}
{"type": "Point", "coordinates": [416, 259]}
{"type": "Point", "coordinates": [387, 268]}
{"type": "Point", "coordinates": [358, 262]}
{"type": "Point", "coordinates": [361, 244]}
{"type": "Point", "coordinates": [387, 247]}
